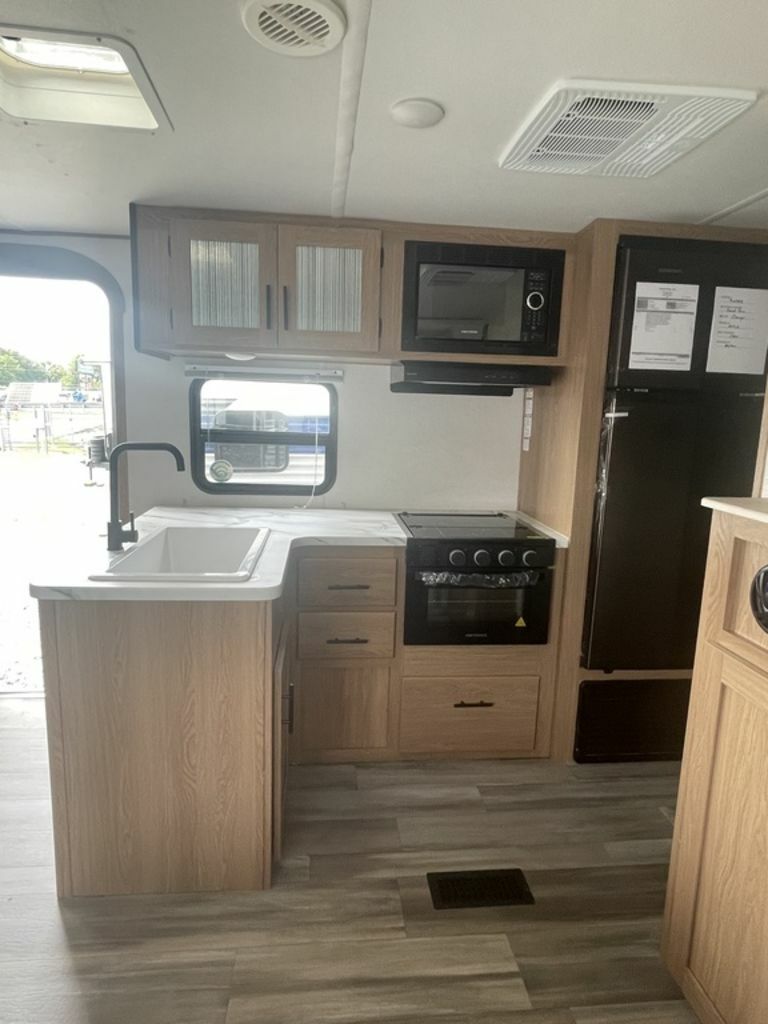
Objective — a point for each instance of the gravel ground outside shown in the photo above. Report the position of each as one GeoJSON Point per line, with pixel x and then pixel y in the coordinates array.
{"type": "Point", "coordinates": [43, 502]}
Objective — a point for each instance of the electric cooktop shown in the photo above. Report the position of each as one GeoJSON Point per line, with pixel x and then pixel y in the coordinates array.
{"type": "Point", "coordinates": [467, 526]}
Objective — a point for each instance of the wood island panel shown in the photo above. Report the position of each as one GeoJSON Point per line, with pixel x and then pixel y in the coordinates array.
{"type": "Point", "coordinates": [161, 728]}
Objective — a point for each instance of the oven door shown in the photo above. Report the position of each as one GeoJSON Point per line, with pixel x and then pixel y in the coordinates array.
{"type": "Point", "coordinates": [477, 608]}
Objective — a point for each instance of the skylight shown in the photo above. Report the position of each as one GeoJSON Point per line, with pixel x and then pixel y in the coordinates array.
{"type": "Point", "coordinates": [63, 56]}
{"type": "Point", "coordinates": [74, 78]}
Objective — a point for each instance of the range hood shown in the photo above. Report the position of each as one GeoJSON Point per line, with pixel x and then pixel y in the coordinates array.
{"type": "Point", "coordinates": [436, 378]}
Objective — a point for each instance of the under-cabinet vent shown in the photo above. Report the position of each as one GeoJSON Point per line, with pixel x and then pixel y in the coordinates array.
{"type": "Point", "coordinates": [586, 127]}
{"type": "Point", "coordinates": [297, 30]}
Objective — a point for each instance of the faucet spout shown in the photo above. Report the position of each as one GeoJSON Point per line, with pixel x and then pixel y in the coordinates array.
{"type": "Point", "coordinates": [117, 532]}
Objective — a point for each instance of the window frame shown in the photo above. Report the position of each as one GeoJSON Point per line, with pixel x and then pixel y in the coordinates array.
{"type": "Point", "coordinates": [198, 441]}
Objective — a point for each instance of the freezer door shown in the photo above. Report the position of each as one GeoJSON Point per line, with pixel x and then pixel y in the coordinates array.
{"type": "Point", "coordinates": [685, 268]}
{"type": "Point", "coordinates": [660, 454]}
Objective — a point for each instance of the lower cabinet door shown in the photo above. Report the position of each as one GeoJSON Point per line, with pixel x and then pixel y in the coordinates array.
{"type": "Point", "coordinates": [467, 714]}
{"type": "Point", "coordinates": [343, 710]}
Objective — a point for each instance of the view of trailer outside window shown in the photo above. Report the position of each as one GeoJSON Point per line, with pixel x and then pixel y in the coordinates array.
{"type": "Point", "coordinates": [265, 436]}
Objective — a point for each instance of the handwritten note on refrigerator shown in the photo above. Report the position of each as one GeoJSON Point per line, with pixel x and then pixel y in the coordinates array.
{"type": "Point", "coordinates": [738, 339]}
{"type": "Point", "coordinates": [663, 325]}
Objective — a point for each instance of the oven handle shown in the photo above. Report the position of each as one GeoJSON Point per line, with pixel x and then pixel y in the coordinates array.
{"type": "Point", "coordinates": [477, 580]}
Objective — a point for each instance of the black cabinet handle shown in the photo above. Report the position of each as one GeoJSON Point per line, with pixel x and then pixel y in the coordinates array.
{"type": "Point", "coordinates": [353, 640]}
{"type": "Point", "coordinates": [349, 586]}
{"type": "Point", "coordinates": [269, 307]}
{"type": "Point", "coordinates": [474, 704]}
{"type": "Point", "coordinates": [285, 307]}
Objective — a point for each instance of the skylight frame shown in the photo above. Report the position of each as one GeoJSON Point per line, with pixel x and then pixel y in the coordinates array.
{"type": "Point", "coordinates": [79, 67]}
{"type": "Point", "coordinates": [129, 102]}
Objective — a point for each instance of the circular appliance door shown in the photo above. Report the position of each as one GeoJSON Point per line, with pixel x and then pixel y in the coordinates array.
{"type": "Point", "coordinates": [758, 597]}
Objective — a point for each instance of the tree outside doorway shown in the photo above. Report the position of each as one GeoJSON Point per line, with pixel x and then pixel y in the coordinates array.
{"type": "Point", "coordinates": [55, 422]}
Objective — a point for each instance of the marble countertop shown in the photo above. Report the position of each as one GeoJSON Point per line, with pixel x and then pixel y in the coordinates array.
{"type": "Point", "coordinates": [747, 508]}
{"type": "Point", "coordinates": [67, 575]}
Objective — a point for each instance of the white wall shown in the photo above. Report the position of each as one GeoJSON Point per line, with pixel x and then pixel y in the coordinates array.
{"type": "Point", "coordinates": [395, 451]}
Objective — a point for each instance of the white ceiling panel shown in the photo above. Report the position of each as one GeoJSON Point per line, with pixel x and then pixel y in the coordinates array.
{"type": "Point", "coordinates": [489, 62]}
{"type": "Point", "coordinates": [256, 130]}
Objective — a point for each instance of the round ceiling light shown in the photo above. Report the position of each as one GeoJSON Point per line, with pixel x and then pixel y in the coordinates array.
{"type": "Point", "coordinates": [417, 113]}
{"type": "Point", "coordinates": [308, 29]}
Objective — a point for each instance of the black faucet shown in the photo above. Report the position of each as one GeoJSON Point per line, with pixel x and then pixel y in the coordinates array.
{"type": "Point", "coordinates": [117, 533]}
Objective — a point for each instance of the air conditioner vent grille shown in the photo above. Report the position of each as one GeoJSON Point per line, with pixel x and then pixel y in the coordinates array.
{"type": "Point", "coordinates": [608, 128]}
{"type": "Point", "coordinates": [297, 29]}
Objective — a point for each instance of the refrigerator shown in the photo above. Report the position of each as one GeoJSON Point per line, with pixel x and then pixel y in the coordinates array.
{"type": "Point", "coordinates": [682, 410]}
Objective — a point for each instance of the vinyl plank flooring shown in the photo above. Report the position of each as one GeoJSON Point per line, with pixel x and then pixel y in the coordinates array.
{"type": "Point", "coordinates": [344, 835]}
{"type": "Point", "coordinates": [291, 913]}
{"type": "Point", "coordinates": [386, 802]}
{"type": "Point", "coordinates": [621, 978]}
{"type": "Point", "coordinates": [675, 1012]}
{"type": "Point", "coordinates": [536, 826]}
{"type": "Point", "coordinates": [655, 790]}
{"type": "Point", "coordinates": [109, 990]}
{"type": "Point", "coordinates": [322, 776]}
{"type": "Point", "coordinates": [461, 773]}
{"type": "Point", "coordinates": [405, 980]}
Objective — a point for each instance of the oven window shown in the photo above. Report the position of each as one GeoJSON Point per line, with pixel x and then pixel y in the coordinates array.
{"type": "Point", "coordinates": [469, 303]}
{"type": "Point", "coordinates": [468, 607]}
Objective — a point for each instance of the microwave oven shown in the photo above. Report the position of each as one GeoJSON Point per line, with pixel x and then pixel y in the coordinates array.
{"type": "Point", "coordinates": [489, 299]}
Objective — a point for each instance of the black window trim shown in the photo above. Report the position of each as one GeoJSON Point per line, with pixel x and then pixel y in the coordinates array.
{"type": "Point", "coordinates": [198, 439]}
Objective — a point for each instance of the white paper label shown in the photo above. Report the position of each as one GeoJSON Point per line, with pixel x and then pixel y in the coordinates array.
{"type": "Point", "coordinates": [663, 324]}
{"type": "Point", "coordinates": [738, 339]}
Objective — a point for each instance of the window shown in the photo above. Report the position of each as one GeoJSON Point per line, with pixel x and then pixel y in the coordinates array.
{"type": "Point", "coordinates": [263, 437]}
{"type": "Point", "coordinates": [48, 53]}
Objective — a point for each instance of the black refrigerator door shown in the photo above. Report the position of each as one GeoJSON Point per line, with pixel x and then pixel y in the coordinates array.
{"type": "Point", "coordinates": [660, 454]}
{"type": "Point", "coordinates": [679, 262]}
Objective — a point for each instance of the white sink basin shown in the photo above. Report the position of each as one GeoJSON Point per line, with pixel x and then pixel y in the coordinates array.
{"type": "Point", "coordinates": [191, 554]}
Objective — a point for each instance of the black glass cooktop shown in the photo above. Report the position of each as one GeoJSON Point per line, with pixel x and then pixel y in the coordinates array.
{"type": "Point", "coordinates": [467, 526]}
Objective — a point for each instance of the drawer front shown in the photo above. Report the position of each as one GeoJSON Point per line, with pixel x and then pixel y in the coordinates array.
{"type": "Point", "coordinates": [347, 582]}
{"type": "Point", "coordinates": [346, 634]}
{"type": "Point", "coordinates": [469, 714]}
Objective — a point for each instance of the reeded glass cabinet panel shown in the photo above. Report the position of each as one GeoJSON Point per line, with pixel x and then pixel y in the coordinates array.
{"type": "Point", "coordinates": [224, 279]}
{"type": "Point", "coordinates": [330, 288]}
{"type": "Point", "coordinates": [223, 285]}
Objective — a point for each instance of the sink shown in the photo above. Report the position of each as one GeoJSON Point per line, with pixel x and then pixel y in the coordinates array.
{"type": "Point", "coordinates": [191, 554]}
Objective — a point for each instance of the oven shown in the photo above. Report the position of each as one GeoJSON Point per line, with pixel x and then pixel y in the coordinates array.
{"type": "Point", "coordinates": [448, 607]}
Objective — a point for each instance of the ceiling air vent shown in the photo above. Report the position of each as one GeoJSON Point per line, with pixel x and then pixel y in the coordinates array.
{"type": "Point", "coordinates": [619, 128]}
{"type": "Point", "coordinates": [308, 29]}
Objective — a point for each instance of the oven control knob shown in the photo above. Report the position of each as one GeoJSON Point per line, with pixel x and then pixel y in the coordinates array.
{"type": "Point", "coordinates": [530, 557]}
{"type": "Point", "coordinates": [506, 557]}
{"type": "Point", "coordinates": [482, 557]}
{"type": "Point", "coordinates": [457, 557]}
{"type": "Point", "coordinates": [534, 300]}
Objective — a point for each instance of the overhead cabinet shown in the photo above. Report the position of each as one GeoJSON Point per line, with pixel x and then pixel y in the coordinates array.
{"type": "Point", "coordinates": [211, 286]}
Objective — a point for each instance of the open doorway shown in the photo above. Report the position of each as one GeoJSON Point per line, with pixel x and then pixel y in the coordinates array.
{"type": "Point", "coordinates": [56, 424]}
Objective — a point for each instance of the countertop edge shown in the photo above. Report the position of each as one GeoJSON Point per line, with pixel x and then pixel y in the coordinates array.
{"type": "Point", "coordinates": [747, 508]}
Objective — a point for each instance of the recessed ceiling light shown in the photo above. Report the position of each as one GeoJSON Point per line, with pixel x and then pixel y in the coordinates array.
{"type": "Point", "coordinates": [49, 53]}
{"type": "Point", "coordinates": [417, 113]}
{"type": "Point", "coordinates": [75, 78]}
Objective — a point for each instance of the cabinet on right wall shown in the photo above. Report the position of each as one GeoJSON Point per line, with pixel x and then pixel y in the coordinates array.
{"type": "Point", "coordinates": [716, 927]}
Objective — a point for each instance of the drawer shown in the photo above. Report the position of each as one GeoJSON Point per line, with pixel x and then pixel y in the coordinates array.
{"type": "Point", "coordinates": [347, 582]}
{"type": "Point", "coordinates": [496, 715]}
{"type": "Point", "coordinates": [346, 634]}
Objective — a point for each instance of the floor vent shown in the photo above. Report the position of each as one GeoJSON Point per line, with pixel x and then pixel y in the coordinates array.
{"type": "Point", "coordinates": [622, 129]}
{"type": "Point", "coordinates": [454, 890]}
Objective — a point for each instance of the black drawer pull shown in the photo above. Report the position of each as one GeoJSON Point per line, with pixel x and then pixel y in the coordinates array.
{"type": "Point", "coordinates": [474, 704]}
{"type": "Point", "coordinates": [349, 586]}
{"type": "Point", "coordinates": [353, 640]}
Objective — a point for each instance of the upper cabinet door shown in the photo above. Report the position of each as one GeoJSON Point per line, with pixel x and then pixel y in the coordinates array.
{"type": "Point", "coordinates": [223, 285]}
{"type": "Point", "coordinates": [329, 280]}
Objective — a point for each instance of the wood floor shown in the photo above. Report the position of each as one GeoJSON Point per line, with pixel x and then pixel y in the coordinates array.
{"type": "Point", "coordinates": [348, 934]}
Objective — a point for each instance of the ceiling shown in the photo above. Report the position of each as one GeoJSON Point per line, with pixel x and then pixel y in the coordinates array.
{"type": "Point", "coordinates": [256, 130]}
